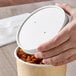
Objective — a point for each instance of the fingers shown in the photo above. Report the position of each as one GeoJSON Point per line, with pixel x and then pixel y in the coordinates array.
{"type": "Point", "coordinates": [62, 36]}
{"type": "Point", "coordinates": [62, 58]}
{"type": "Point", "coordinates": [66, 7]}
{"type": "Point", "coordinates": [55, 51]}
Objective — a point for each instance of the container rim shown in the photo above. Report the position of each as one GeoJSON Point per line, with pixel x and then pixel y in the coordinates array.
{"type": "Point", "coordinates": [15, 54]}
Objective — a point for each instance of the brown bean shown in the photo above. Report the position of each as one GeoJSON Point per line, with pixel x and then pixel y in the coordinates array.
{"type": "Point", "coordinates": [28, 58]}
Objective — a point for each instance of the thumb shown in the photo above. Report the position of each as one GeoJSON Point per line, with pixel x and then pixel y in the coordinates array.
{"type": "Point", "coordinates": [66, 7]}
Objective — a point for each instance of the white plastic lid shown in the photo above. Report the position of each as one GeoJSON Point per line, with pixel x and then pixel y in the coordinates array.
{"type": "Point", "coordinates": [41, 26]}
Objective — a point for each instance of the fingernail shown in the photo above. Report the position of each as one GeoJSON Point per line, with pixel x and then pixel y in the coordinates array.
{"type": "Point", "coordinates": [38, 55]}
{"type": "Point", "coordinates": [44, 61]}
{"type": "Point", "coordinates": [39, 48]}
{"type": "Point", "coordinates": [56, 3]}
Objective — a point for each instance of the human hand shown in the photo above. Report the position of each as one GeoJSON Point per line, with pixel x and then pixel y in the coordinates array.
{"type": "Point", "coordinates": [62, 48]}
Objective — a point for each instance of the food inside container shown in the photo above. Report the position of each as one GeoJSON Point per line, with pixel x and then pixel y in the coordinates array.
{"type": "Point", "coordinates": [28, 58]}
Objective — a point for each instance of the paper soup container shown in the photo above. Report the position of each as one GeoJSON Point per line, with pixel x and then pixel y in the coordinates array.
{"type": "Point", "coordinates": [28, 69]}
{"type": "Point", "coordinates": [42, 25]}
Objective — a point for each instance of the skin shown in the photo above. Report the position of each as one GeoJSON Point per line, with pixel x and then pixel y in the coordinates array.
{"type": "Point", "coordinates": [62, 48]}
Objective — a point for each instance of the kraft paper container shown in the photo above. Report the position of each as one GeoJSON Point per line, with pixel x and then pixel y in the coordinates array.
{"type": "Point", "coordinates": [28, 69]}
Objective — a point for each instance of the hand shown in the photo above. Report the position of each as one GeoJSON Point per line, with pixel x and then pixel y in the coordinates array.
{"type": "Point", "coordinates": [62, 48]}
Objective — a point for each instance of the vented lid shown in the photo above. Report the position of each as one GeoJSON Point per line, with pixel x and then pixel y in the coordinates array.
{"type": "Point", "coordinates": [42, 25]}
